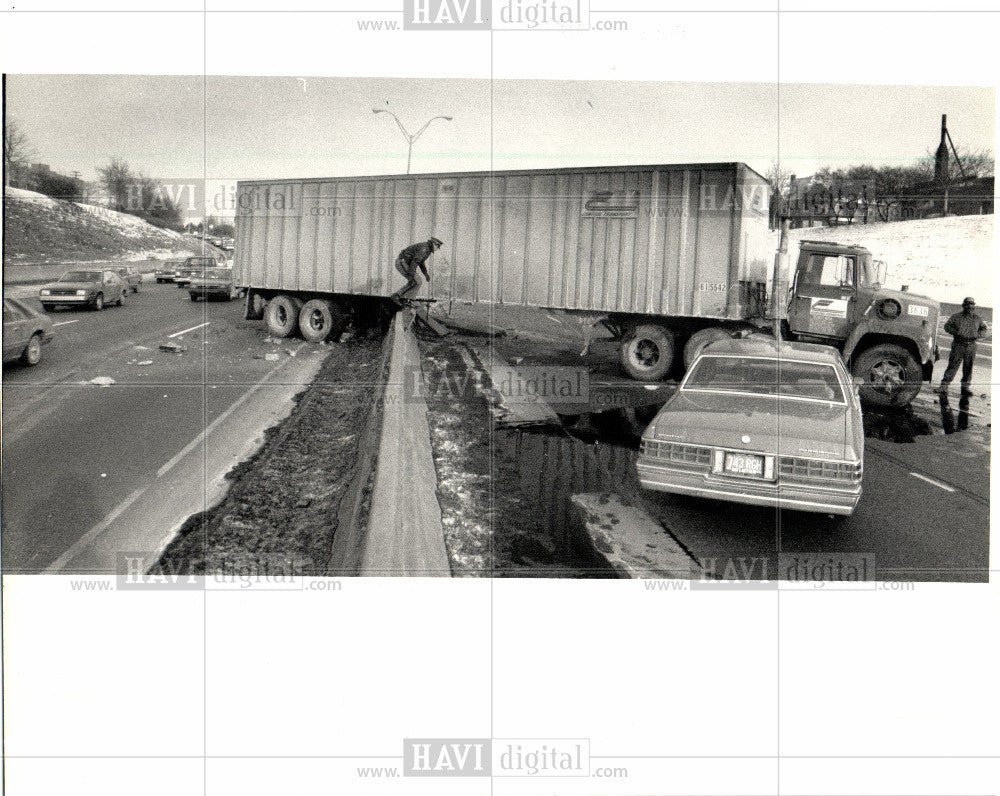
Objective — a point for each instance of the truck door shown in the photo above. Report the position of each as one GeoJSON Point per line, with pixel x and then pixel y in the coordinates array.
{"type": "Point", "coordinates": [825, 287]}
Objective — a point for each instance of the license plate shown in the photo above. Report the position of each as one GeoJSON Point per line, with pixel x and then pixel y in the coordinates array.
{"type": "Point", "coordinates": [744, 464]}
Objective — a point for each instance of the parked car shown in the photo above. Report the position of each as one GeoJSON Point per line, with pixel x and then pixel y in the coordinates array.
{"type": "Point", "coordinates": [213, 283]}
{"type": "Point", "coordinates": [759, 422]}
{"type": "Point", "coordinates": [130, 276]}
{"type": "Point", "coordinates": [90, 287]}
{"type": "Point", "coordinates": [25, 331]}
{"type": "Point", "coordinates": [192, 267]}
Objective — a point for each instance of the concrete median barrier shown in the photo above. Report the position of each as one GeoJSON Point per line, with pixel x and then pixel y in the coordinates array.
{"type": "Point", "coordinates": [404, 533]}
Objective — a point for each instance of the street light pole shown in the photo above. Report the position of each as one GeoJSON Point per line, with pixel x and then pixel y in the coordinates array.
{"type": "Point", "coordinates": [410, 139]}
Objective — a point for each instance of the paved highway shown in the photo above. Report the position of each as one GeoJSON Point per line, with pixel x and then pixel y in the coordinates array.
{"type": "Point", "coordinates": [77, 455]}
{"type": "Point", "coordinates": [924, 514]}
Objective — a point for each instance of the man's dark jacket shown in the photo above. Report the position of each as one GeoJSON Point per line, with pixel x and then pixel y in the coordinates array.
{"type": "Point", "coordinates": [965, 328]}
{"type": "Point", "coordinates": [416, 255]}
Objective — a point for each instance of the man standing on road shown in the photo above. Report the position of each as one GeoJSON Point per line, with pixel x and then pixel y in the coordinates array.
{"type": "Point", "coordinates": [407, 263]}
{"type": "Point", "coordinates": [965, 328]}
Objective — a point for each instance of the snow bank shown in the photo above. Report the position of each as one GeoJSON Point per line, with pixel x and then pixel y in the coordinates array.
{"type": "Point", "coordinates": [129, 226]}
{"type": "Point", "coordinates": [944, 258]}
{"type": "Point", "coordinates": [30, 196]}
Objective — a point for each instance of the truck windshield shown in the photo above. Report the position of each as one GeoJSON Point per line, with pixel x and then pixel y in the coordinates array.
{"type": "Point", "coordinates": [765, 376]}
{"type": "Point", "coordinates": [829, 270]}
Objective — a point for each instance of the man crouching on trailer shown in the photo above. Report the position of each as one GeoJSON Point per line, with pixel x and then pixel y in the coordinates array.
{"type": "Point", "coordinates": [407, 263]}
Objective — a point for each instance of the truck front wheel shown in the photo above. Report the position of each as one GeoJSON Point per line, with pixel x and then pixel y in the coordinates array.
{"type": "Point", "coordinates": [889, 374]}
{"type": "Point", "coordinates": [282, 315]}
{"type": "Point", "coordinates": [702, 338]}
{"type": "Point", "coordinates": [648, 352]}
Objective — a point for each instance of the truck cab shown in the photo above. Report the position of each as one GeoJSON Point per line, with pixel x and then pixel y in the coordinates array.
{"type": "Point", "coordinates": [886, 336]}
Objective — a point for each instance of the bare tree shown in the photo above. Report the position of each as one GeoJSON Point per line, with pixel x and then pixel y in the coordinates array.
{"type": "Point", "coordinates": [975, 163]}
{"type": "Point", "coordinates": [778, 179]}
{"type": "Point", "coordinates": [17, 148]}
{"type": "Point", "coordinates": [117, 179]}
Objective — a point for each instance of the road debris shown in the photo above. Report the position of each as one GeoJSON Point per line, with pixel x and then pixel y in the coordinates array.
{"type": "Point", "coordinates": [271, 356]}
{"type": "Point", "coordinates": [102, 381]}
{"type": "Point", "coordinates": [174, 348]}
{"type": "Point", "coordinates": [145, 362]}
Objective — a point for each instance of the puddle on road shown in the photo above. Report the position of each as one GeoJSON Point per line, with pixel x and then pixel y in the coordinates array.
{"type": "Point", "coordinates": [537, 471]}
{"type": "Point", "coordinates": [905, 424]}
{"type": "Point", "coordinates": [895, 425]}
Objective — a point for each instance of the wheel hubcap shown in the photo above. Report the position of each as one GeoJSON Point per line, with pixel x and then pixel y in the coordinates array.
{"type": "Point", "coordinates": [316, 321]}
{"type": "Point", "coordinates": [887, 376]}
{"type": "Point", "coordinates": [647, 353]}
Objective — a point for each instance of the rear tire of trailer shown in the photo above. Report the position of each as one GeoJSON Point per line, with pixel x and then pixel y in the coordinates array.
{"type": "Point", "coordinates": [282, 315]}
{"type": "Point", "coordinates": [889, 374]}
{"type": "Point", "coordinates": [648, 352]}
{"type": "Point", "coordinates": [320, 319]}
{"type": "Point", "coordinates": [702, 338]}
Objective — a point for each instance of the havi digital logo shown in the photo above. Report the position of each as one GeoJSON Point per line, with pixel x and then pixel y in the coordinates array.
{"type": "Point", "coordinates": [496, 14]}
{"type": "Point", "coordinates": [446, 757]}
{"type": "Point", "coordinates": [446, 14]}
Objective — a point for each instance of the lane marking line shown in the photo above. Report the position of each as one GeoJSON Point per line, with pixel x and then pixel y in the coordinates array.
{"type": "Point", "coordinates": [64, 323]}
{"type": "Point", "coordinates": [84, 541]}
{"type": "Point", "coordinates": [178, 334]}
{"type": "Point", "coordinates": [94, 532]}
{"type": "Point", "coordinates": [938, 484]}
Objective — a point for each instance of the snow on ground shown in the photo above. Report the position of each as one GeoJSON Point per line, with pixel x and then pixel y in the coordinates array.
{"type": "Point", "coordinates": [30, 196]}
{"type": "Point", "coordinates": [128, 226]}
{"type": "Point", "coordinates": [944, 258]}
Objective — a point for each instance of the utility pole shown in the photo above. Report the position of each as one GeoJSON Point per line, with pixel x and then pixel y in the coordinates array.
{"type": "Point", "coordinates": [941, 162]}
{"type": "Point", "coordinates": [779, 281]}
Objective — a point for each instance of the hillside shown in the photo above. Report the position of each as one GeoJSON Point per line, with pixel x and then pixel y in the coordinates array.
{"type": "Point", "coordinates": [39, 229]}
{"type": "Point", "coordinates": [944, 258]}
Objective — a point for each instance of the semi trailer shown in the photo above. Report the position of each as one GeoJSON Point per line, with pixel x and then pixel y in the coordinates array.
{"type": "Point", "coordinates": [666, 257]}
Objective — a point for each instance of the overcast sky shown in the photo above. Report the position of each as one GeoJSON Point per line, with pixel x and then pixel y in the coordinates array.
{"type": "Point", "coordinates": [253, 127]}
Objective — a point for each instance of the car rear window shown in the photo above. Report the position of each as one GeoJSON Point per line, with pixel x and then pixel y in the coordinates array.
{"type": "Point", "coordinates": [81, 276]}
{"type": "Point", "coordinates": [765, 376]}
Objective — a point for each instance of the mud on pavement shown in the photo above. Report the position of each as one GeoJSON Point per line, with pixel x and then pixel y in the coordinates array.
{"type": "Point", "coordinates": [280, 513]}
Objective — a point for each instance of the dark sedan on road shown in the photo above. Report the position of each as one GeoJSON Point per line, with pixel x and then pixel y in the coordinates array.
{"type": "Point", "coordinates": [759, 422]}
{"type": "Point", "coordinates": [25, 331]}
{"type": "Point", "coordinates": [130, 276]}
{"type": "Point", "coordinates": [168, 271]}
{"type": "Point", "coordinates": [213, 283]}
{"type": "Point", "coordinates": [85, 287]}
{"type": "Point", "coordinates": [191, 268]}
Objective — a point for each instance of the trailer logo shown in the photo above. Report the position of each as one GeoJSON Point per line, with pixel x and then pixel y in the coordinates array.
{"type": "Point", "coordinates": [611, 204]}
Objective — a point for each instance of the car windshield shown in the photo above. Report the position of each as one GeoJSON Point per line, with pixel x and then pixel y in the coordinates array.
{"type": "Point", "coordinates": [81, 276]}
{"type": "Point", "coordinates": [217, 273]}
{"type": "Point", "coordinates": [765, 376]}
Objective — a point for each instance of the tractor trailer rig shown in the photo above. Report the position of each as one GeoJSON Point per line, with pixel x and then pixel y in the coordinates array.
{"type": "Point", "coordinates": [666, 257]}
